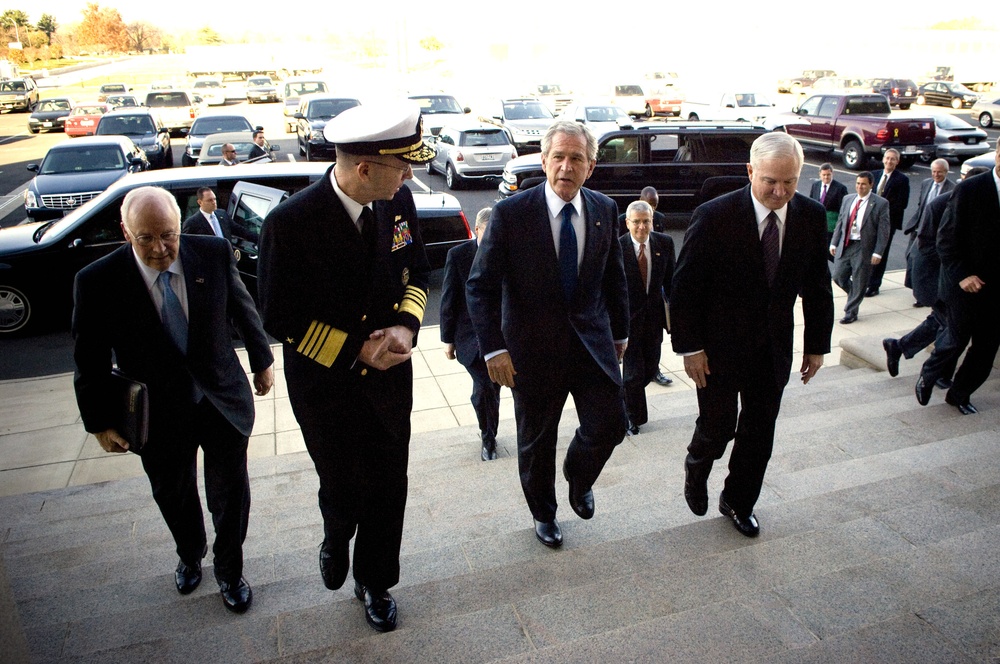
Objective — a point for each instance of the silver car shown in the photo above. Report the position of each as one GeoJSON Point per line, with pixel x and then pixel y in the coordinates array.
{"type": "Point", "coordinates": [471, 152]}
{"type": "Point", "coordinates": [986, 111]}
{"type": "Point", "coordinates": [957, 139]}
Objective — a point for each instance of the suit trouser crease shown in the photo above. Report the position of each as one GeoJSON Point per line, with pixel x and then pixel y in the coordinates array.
{"type": "Point", "coordinates": [973, 321]}
{"type": "Point", "coordinates": [485, 397]}
{"type": "Point", "coordinates": [932, 329]}
{"type": "Point", "coordinates": [639, 367]}
{"type": "Point", "coordinates": [850, 273]}
{"type": "Point", "coordinates": [878, 271]}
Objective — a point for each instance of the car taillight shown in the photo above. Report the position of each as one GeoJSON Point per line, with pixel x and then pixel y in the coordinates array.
{"type": "Point", "coordinates": [191, 112]}
{"type": "Point", "coordinates": [513, 154]}
{"type": "Point", "coordinates": [468, 231]}
{"type": "Point", "coordinates": [882, 134]}
{"type": "Point", "coordinates": [959, 139]}
{"type": "Point", "coordinates": [895, 92]}
{"type": "Point", "coordinates": [459, 156]}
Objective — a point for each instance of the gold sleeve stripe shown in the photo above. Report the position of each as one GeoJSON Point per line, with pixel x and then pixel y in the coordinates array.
{"type": "Point", "coordinates": [414, 302]}
{"type": "Point", "coordinates": [322, 343]}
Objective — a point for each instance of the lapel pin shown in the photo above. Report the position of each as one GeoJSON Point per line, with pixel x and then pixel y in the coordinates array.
{"type": "Point", "coordinates": [199, 280]}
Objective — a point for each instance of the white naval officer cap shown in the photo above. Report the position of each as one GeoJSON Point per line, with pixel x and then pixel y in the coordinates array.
{"type": "Point", "coordinates": [392, 130]}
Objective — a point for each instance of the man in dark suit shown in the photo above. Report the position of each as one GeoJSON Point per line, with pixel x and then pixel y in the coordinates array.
{"type": "Point", "coordinates": [548, 299]}
{"type": "Point", "coordinates": [894, 186]}
{"type": "Point", "coordinates": [830, 194]}
{"type": "Point", "coordinates": [747, 256]}
{"type": "Point", "coordinates": [459, 337]}
{"type": "Point", "coordinates": [259, 148]}
{"type": "Point", "coordinates": [161, 304]}
{"type": "Point", "coordinates": [859, 242]}
{"type": "Point", "coordinates": [968, 243]}
{"type": "Point", "coordinates": [343, 283]}
{"type": "Point", "coordinates": [931, 188]}
{"type": "Point", "coordinates": [650, 196]}
{"type": "Point", "coordinates": [209, 219]}
{"type": "Point", "coordinates": [649, 269]}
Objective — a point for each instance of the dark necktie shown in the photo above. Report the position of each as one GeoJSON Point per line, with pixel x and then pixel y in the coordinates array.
{"type": "Point", "coordinates": [643, 265]}
{"type": "Point", "coordinates": [368, 229]}
{"type": "Point", "coordinates": [771, 245]}
{"type": "Point", "coordinates": [850, 222]}
{"type": "Point", "coordinates": [822, 196]}
{"type": "Point", "coordinates": [567, 253]}
{"type": "Point", "coordinates": [884, 180]}
{"type": "Point", "coordinates": [172, 313]}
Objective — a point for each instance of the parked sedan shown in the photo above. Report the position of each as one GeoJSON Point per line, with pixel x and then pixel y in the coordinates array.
{"type": "Point", "coordinates": [946, 93]}
{"type": "Point", "coordinates": [50, 114]}
{"type": "Point", "coordinates": [261, 88]}
{"type": "Point", "coordinates": [74, 172]}
{"type": "Point", "coordinates": [471, 152]}
{"type": "Point", "coordinates": [83, 119]}
{"type": "Point", "coordinates": [986, 110]}
{"type": "Point", "coordinates": [119, 101]}
{"type": "Point", "coordinates": [144, 128]}
{"type": "Point", "coordinates": [314, 112]}
{"type": "Point", "coordinates": [957, 139]}
{"type": "Point", "coordinates": [211, 90]}
{"type": "Point", "coordinates": [206, 125]}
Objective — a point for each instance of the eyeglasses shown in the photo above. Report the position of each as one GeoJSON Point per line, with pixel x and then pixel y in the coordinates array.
{"type": "Point", "coordinates": [148, 240]}
{"type": "Point", "coordinates": [640, 222]}
{"type": "Point", "coordinates": [401, 169]}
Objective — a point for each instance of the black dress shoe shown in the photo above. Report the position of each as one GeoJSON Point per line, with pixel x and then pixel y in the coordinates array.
{"type": "Point", "coordinates": [747, 525]}
{"type": "Point", "coordinates": [548, 533]}
{"type": "Point", "coordinates": [919, 305]}
{"type": "Point", "coordinates": [187, 577]}
{"type": "Point", "coordinates": [847, 320]}
{"type": "Point", "coordinates": [662, 379]}
{"type": "Point", "coordinates": [236, 595]}
{"type": "Point", "coordinates": [489, 447]}
{"type": "Point", "coordinates": [963, 405]}
{"type": "Point", "coordinates": [871, 292]}
{"type": "Point", "coordinates": [695, 493]}
{"type": "Point", "coordinates": [943, 383]}
{"type": "Point", "coordinates": [380, 607]}
{"type": "Point", "coordinates": [334, 560]}
{"type": "Point", "coordinates": [892, 354]}
{"type": "Point", "coordinates": [923, 390]}
{"type": "Point", "coordinates": [632, 430]}
{"type": "Point", "coordinates": [581, 498]}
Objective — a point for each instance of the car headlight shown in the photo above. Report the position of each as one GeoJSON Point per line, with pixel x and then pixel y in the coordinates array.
{"type": "Point", "coordinates": [29, 199]}
{"type": "Point", "coordinates": [155, 147]}
{"type": "Point", "coordinates": [316, 135]}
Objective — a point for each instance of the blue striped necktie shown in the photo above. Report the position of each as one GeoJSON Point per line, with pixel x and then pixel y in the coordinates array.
{"type": "Point", "coordinates": [567, 253]}
{"type": "Point", "coordinates": [172, 313]}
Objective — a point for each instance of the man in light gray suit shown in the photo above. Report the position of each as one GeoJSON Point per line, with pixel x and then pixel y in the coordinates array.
{"type": "Point", "coordinates": [859, 242]}
{"type": "Point", "coordinates": [930, 189]}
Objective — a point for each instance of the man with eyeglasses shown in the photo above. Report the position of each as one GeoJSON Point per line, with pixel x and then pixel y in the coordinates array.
{"type": "Point", "coordinates": [229, 155]}
{"type": "Point", "coordinates": [343, 282]}
{"type": "Point", "coordinates": [162, 304]}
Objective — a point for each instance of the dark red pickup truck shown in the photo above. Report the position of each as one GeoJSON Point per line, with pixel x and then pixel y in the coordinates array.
{"type": "Point", "coordinates": [858, 126]}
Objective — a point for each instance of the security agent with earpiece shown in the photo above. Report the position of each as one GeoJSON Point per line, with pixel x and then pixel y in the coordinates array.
{"type": "Point", "coordinates": [343, 285]}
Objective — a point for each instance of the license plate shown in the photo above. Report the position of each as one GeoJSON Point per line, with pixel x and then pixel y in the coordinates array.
{"type": "Point", "coordinates": [910, 149]}
{"type": "Point", "coordinates": [971, 141]}
{"type": "Point", "coordinates": [263, 96]}
{"type": "Point", "coordinates": [87, 123]}
{"type": "Point", "coordinates": [487, 157]}
{"type": "Point", "coordinates": [46, 124]}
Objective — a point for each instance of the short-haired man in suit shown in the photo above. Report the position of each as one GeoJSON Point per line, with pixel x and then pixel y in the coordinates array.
{"type": "Point", "coordinates": [459, 336]}
{"type": "Point", "coordinates": [931, 188]}
{"type": "Point", "coordinates": [258, 149]}
{"type": "Point", "coordinates": [229, 155]}
{"type": "Point", "coordinates": [161, 304]}
{"type": "Point", "coordinates": [747, 257]}
{"type": "Point", "coordinates": [649, 269]}
{"type": "Point", "coordinates": [209, 219]}
{"type": "Point", "coordinates": [651, 197]}
{"type": "Point", "coordinates": [830, 193]}
{"type": "Point", "coordinates": [343, 280]}
{"type": "Point", "coordinates": [892, 185]}
{"type": "Point", "coordinates": [548, 299]}
{"type": "Point", "coordinates": [859, 242]}
{"type": "Point", "coordinates": [968, 243]}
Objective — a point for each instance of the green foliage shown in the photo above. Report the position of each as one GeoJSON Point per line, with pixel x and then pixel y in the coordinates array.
{"type": "Point", "coordinates": [47, 24]}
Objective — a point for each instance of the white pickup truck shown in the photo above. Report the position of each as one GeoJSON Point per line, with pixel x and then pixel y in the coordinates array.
{"type": "Point", "coordinates": [746, 106]}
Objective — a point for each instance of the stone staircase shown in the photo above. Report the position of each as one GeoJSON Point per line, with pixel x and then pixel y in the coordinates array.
{"type": "Point", "coordinates": [880, 542]}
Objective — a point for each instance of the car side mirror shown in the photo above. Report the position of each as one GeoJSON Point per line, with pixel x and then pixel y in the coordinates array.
{"type": "Point", "coordinates": [162, 130]}
{"type": "Point", "coordinates": [299, 116]}
{"type": "Point", "coordinates": [33, 167]}
{"type": "Point", "coordinates": [730, 105]}
{"type": "Point", "coordinates": [466, 110]}
{"type": "Point", "coordinates": [275, 148]}
{"type": "Point", "coordinates": [183, 131]}
{"type": "Point", "coordinates": [76, 244]}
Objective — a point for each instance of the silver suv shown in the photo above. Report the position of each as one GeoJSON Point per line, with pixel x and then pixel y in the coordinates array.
{"type": "Point", "coordinates": [525, 120]}
{"type": "Point", "coordinates": [474, 152]}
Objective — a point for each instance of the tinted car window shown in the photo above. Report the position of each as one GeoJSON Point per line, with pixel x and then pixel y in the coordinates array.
{"type": "Point", "coordinates": [167, 99]}
{"type": "Point", "coordinates": [81, 161]}
{"type": "Point", "coordinates": [12, 86]}
{"type": "Point", "coordinates": [249, 216]}
{"type": "Point", "coordinates": [53, 105]}
{"type": "Point", "coordinates": [863, 106]}
{"type": "Point", "coordinates": [210, 125]}
{"type": "Point", "coordinates": [484, 138]}
{"type": "Point", "coordinates": [126, 125]}
{"type": "Point", "coordinates": [323, 109]}
{"type": "Point", "coordinates": [828, 107]}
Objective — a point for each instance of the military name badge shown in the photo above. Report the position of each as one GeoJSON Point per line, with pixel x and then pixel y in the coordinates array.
{"type": "Point", "coordinates": [401, 234]}
{"type": "Point", "coordinates": [406, 275]}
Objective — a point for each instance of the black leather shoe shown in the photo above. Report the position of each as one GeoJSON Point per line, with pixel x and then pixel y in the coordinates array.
{"type": "Point", "coordinates": [747, 525]}
{"type": "Point", "coordinates": [847, 320]}
{"type": "Point", "coordinates": [963, 405]}
{"type": "Point", "coordinates": [892, 354]}
{"type": "Point", "coordinates": [489, 447]}
{"type": "Point", "coordinates": [236, 595]}
{"type": "Point", "coordinates": [943, 383]}
{"type": "Point", "coordinates": [871, 292]}
{"type": "Point", "coordinates": [581, 498]}
{"type": "Point", "coordinates": [187, 577]}
{"type": "Point", "coordinates": [919, 305]}
{"type": "Point", "coordinates": [548, 533]}
{"type": "Point", "coordinates": [662, 379]}
{"type": "Point", "coordinates": [334, 561]}
{"type": "Point", "coordinates": [632, 430]}
{"type": "Point", "coordinates": [923, 390]}
{"type": "Point", "coordinates": [380, 607]}
{"type": "Point", "coordinates": [695, 493]}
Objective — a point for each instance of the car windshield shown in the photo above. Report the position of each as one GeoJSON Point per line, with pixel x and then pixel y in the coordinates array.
{"type": "Point", "coordinates": [209, 125]}
{"type": "Point", "coordinates": [438, 104]}
{"type": "Point", "coordinates": [88, 110]}
{"type": "Point", "coordinates": [328, 109]}
{"type": "Point", "coordinates": [122, 100]}
{"type": "Point", "coordinates": [85, 160]}
{"type": "Point", "coordinates": [168, 99]}
{"type": "Point", "coordinates": [473, 139]}
{"type": "Point", "coordinates": [12, 86]}
{"type": "Point", "coordinates": [54, 105]}
{"type": "Point", "coordinates": [304, 88]}
{"type": "Point", "coordinates": [744, 100]}
{"type": "Point", "coordinates": [126, 125]}
{"type": "Point", "coordinates": [604, 113]}
{"type": "Point", "coordinates": [961, 89]}
{"type": "Point", "coordinates": [259, 81]}
{"type": "Point", "coordinates": [112, 88]}
{"type": "Point", "coordinates": [207, 84]}
{"type": "Point", "coordinates": [526, 110]}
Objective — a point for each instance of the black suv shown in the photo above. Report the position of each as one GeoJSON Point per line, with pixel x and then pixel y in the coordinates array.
{"type": "Point", "coordinates": [686, 162]}
{"type": "Point", "coordinates": [314, 112]}
{"type": "Point", "coordinates": [900, 92]}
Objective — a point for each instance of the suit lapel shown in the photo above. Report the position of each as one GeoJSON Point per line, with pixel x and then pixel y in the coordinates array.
{"type": "Point", "coordinates": [593, 233]}
{"type": "Point", "coordinates": [198, 290]}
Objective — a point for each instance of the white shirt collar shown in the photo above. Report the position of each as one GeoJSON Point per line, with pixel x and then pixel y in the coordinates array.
{"type": "Point", "coordinates": [352, 206]}
{"type": "Point", "coordinates": [556, 204]}
{"type": "Point", "coordinates": [762, 211]}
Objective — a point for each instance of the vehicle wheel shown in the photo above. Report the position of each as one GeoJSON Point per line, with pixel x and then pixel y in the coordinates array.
{"type": "Point", "coordinates": [693, 117]}
{"type": "Point", "coordinates": [904, 107]}
{"type": "Point", "coordinates": [649, 111]}
{"type": "Point", "coordinates": [985, 120]}
{"type": "Point", "coordinates": [33, 130]}
{"type": "Point", "coordinates": [451, 178]}
{"type": "Point", "coordinates": [956, 103]}
{"type": "Point", "coordinates": [906, 162]}
{"type": "Point", "coordinates": [302, 150]}
{"type": "Point", "coordinates": [15, 310]}
{"type": "Point", "coordinates": [308, 153]}
{"type": "Point", "coordinates": [429, 168]}
{"type": "Point", "coordinates": [921, 100]}
{"type": "Point", "coordinates": [854, 156]}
